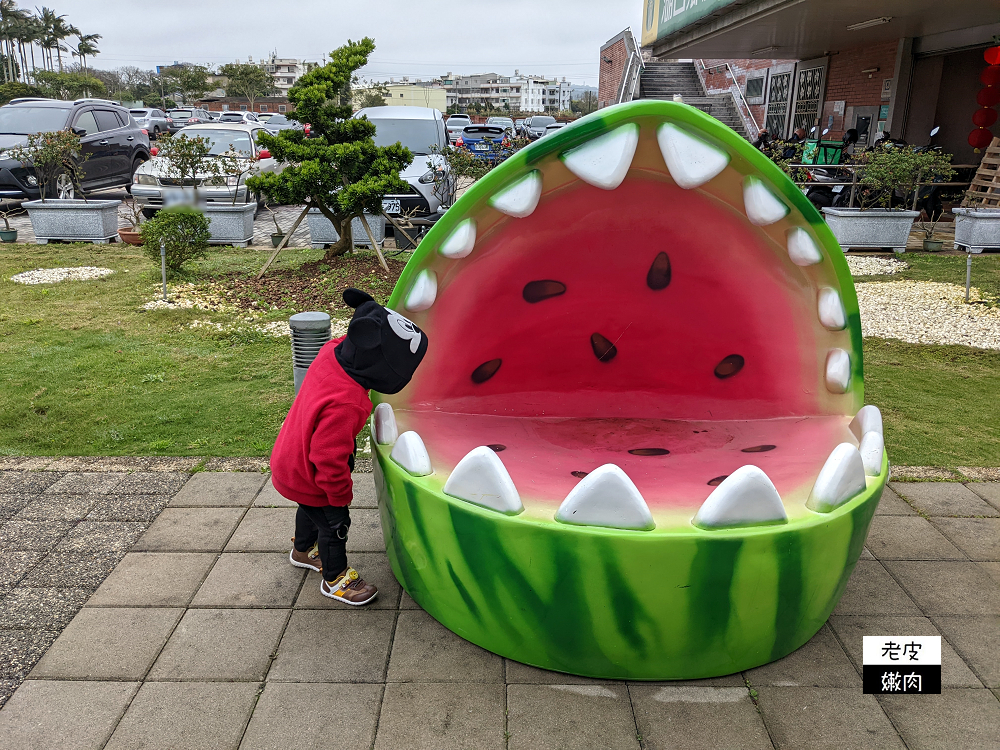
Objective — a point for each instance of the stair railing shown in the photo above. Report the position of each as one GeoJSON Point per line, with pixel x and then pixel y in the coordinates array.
{"type": "Point", "coordinates": [633, 70]}
{"type": "Point", "coordinates": [739, 92]}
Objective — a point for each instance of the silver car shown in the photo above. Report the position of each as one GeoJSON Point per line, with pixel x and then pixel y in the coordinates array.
{"type": "Point", "coordinates": [153, 121]}
{"type": "Point", "coordinates": [456, 123]}
{"type": "Point", "coordinates": [238, 116]}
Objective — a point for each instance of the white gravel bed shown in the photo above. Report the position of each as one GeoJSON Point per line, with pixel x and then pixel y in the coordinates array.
{"type": "Point", "coordinates": [869, 265]}
{"type": "Point", "coordinates": [55, 275]}
{"type": "Point", "coordinates": [189, 297]}
{"type": "Point", "coordinates": [927, 312]}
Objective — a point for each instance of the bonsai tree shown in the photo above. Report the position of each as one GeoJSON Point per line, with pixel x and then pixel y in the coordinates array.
{"type": "Point", "coordinates": [57, 162]}
{"type": "Point", "coordinates": [184, 231]}
{"type": "Point", "coordinates": [889, 173]}
{"type": "Point", "coordinates": [338, 169]}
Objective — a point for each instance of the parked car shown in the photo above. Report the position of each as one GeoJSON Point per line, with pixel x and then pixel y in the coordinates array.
{"type": "Point", "coordinates": [214, 114]}
{"type": "Point", "coordinates": [534, 127]}
{"type": "Point", "coordinates": [504, 122]}
{"type": "Point", "coordinates": [484, 141]}
{"type": "Point", "coordinates": [519, 127]}
{"type": "Point", "coordinates": [265, 116]}
{"type": "Point", "coordinates": [153, 121]}
{"type": "Point", "coordinates": [112, 141]}
{"type": "Point", "coordinates": [234, 116]}
{"type": "Point", "coordinates": [455, 125]}
{"type": "Point", "coordinates": [423, 131]}
{"type": "Point", "coordinates": [279, 122]}
{"type": "Point", "coordinates": [152, 180]}
{"type": "Point", "coordinates": [182, 117]}
{"type": "Point", "coordinates": [554, 127]}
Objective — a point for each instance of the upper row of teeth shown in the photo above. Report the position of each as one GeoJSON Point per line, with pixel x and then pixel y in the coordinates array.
{"type": "Point", "coordinates": [691, 161]}
{"type": "Point", "coordinates": [607, 496]}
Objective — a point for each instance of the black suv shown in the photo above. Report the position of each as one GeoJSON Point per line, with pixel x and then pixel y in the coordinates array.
{"type": "Point", "coordinates": [115, 145]}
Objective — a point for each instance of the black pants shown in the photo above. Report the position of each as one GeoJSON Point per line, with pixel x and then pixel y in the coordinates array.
{"type": "Point", "coordinates": [327, 525]}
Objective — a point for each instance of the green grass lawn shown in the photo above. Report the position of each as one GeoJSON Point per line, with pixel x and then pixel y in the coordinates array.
{"type": "Point", "coordinates": [87, 372]}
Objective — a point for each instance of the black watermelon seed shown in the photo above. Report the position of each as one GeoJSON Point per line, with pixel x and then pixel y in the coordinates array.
{"type": "Point", "coordinates": [579, 474]}
{"type": "Point", "coordinates": [649, 451]}
{"type": "Point", "coordinates": [604, 350]}
{"type": "Point", "coordinates": [536, 291]}
{"type": "Point", "coordinates": [496, 447]}
{"type": "Point", "coordinates": [729, 366]}
{"type": "Point", "coordinates": [717, 481]}
{"type": "Point", "coordinates": [486, 370]}
{"type": "Point", "coordinates": [759, 449]}
{"type": "Point", "coordinates": [658, 276]}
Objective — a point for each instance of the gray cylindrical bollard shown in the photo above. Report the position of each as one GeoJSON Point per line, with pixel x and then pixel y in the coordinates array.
{"type": "Point", "coordinates": [310, 330]}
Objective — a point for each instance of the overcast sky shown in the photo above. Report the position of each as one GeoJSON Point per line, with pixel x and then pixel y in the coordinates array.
{"type": "Point", "coordinates": [413, 37]}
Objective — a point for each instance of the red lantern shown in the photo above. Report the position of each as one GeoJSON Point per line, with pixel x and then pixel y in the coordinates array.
{"type": "Point", "coordinates": [990, 76]}
{"type": "Point", "coordinates": [988, 97]}
{"type": "Point", "coordinates": [980, 138]}
{"type": "Point", "coordinates": [984, 117]}
{"type": "Point", "coordinates": [992, 55]}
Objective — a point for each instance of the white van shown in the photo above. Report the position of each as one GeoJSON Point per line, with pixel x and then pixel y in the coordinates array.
{"type": "Point", "coordinates": [422, 130]}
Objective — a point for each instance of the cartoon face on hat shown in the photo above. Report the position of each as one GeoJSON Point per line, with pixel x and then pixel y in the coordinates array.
{"type": "Point", "coordinates": [382, 348]}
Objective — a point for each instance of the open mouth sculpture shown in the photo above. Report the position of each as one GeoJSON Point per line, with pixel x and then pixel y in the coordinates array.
{"type": "Point", "coordinates": [637, 446]}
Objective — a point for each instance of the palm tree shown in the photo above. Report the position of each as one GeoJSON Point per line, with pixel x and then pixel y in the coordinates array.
{"type": "Point", "coordinates": [86, 46]}
{"type": "Point", "coordinates": [9, 15]}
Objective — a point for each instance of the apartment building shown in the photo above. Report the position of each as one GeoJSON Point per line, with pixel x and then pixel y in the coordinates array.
{"type": "Point", "coordinates": [286, 71]}
{"type": "Point", "coordinates": [523, 93]}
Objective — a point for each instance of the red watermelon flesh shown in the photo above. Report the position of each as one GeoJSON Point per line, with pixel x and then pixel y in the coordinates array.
{"type": "Point", "coordinates": [648, 318]}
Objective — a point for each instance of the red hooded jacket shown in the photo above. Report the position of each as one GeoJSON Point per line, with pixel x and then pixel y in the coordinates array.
{"type": "Point", "coordinates": [313, 456]}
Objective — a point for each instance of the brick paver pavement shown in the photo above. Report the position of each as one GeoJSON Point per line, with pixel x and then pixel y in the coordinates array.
{"type": "Point", "coordinates": [203, 636]}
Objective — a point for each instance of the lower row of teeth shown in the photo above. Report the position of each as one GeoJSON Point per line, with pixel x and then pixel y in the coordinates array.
{"type": "Point", "coordinates": [608, 497]}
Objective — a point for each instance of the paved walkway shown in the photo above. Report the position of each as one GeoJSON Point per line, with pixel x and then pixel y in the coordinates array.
{"type": "Point", "coordinates": [203, 636]}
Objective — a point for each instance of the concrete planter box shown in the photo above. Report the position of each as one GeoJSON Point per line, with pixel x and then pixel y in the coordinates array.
{"type": "Point", "coordinates": [322, 233]}
{"type": "Point", "coordinates": [73, 220]}
{"type": "Point", "coordinates": [230, 224]}
{"type": "Point", "coordinates": [875, 227]}
{"type": "Point", "coordinates": [977, 229]}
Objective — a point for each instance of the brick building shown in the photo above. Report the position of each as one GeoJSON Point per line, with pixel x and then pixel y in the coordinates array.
{"type": "Point", "coordinates": [242, 104]}
{"type": "Point", "coordinates": [902, 67]}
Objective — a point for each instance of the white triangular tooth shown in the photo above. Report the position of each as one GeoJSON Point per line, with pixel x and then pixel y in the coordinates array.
{"type": "Point", "coordinates": [520, 199]}
{"type": "Point", "coordinates": [868, 419]}
{"type": "Point", "coordinates": [831, 310]}
{"type": "Point", "coordinates": [746, 497]}
{"type": "Point", "coordinates": [838, 371]}
{"type": "Point", "coordinates": [604, 161]}
{"type": "Point", "coordinates": [802, 248]}
{"type": "Point", "coordinates": [461, 241]}
{"type": "Point", "coordinates": [606, 497]}
{"type": "Point", "coordinates": [872, 447]}
{"type": "Point", "coordinates": [841, 478]}
{"type": "Point", "coordinates": [410, 453]}
{"type": "Point", "coordinates": [481, 478]}
{"type": "Point", "coordinates": [384, 422]}
{"type": "Point", "coordinates": [423, 292]}
{"type": "Point", "coordinates": [691, 161]}
{"type": "Point", "coordinates": [763, 207]}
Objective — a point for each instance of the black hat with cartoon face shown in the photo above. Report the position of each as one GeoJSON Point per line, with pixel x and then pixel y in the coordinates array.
{"type": "Point", "coordinates": [382, 348]}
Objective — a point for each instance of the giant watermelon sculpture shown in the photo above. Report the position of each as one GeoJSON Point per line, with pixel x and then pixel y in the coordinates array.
{"type": "Point", "coordinates": [636, 447]}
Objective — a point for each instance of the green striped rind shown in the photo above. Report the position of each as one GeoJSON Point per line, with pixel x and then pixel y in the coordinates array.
{"type": "Point", "coordinates": [618, 604]}
{"type": "Point", "coordinates": [745, 159]}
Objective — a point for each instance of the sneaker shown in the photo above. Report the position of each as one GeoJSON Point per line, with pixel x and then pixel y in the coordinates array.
{"type": "Point", "coordinates": [348, 588]}
{"type": "Point", "coordinates": [309, 560]}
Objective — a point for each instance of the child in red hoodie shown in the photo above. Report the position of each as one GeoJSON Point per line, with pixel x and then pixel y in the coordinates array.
{"type": "Point", "coordinates": [314, 454]}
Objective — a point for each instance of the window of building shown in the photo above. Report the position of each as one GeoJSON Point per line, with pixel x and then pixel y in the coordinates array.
{"type": "Point", "coordinates": [243, 108]}
{"type": "Point", "coordinates": [263, 108]}
{"type": "Point", "coordinates": [281, 107]}
{"type": "Point", "coordinates": [754, 92]}
{"type": "Point", "coordinates": [225, 107]}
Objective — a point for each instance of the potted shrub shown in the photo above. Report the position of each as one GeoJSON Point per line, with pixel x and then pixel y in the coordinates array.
{"type": "Point", "coordinates": [7, 234]}
{"type": "Point", "coordinates": [977, 229]}
{"type": "Point", "coordinates": [133, 216]}
{"type": "Point", "coordinates": [277, 235]}
{"type": "Point", "coordinates": [57, 163]}
{"type": "Point", "coordinates": [185, 234]}
{"type": "Point", "coordinates": [888, 175]}
{"type": "Point", "coordinates": [189, 161]}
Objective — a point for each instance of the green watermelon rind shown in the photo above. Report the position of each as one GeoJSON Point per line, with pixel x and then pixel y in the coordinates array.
{"type": "Point", "coordinates": [746, 159]}
{"type": "Point", "coordinates": [619, 604]}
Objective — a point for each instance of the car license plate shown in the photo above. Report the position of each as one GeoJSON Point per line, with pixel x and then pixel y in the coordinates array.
{"type": "Point", "coordinates": [390, 206]}
{"type": "Point", "coordinates": [481, 146]}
